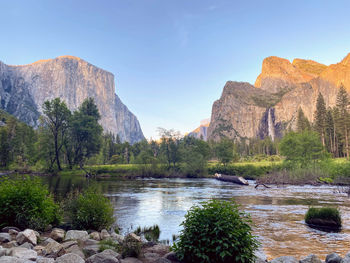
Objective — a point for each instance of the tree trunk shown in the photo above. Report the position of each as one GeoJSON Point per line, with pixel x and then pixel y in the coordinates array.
{"type": "Point", "coordinates": [57, 154]}
{"type": "Point", "coordinates": [346, 142]}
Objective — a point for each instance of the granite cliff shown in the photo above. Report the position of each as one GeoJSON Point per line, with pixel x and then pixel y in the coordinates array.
{"type": "Point", "coordinates": [271, 105]}
{"type": "Point", "coordinates": [202, 131]}
{"type": "Point", "coordinates": [23, 90]}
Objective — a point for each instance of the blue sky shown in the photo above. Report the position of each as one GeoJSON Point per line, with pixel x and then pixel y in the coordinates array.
{"type": "Point", "coordinates": [171, 58]}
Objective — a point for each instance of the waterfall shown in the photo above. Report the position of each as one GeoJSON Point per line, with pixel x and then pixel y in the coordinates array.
{"type": "Point", "coordinates": [270, 125]}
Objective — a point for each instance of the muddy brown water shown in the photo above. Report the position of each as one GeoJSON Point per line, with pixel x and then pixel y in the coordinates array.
{"type": "Point", "coordinates": [277, 212]}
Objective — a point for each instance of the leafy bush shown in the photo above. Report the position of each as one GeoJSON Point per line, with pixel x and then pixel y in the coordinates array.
{"type": "Point", "coordinates": [90, 210]}
{"type": "Point", "coordinates": [217, 232]}
{"type": "Point", "coordinates": [130, 247]}
{"type": "Point", "coordinates": [26, 203]}
{"type": "Point", "coordinates": [325, 216]}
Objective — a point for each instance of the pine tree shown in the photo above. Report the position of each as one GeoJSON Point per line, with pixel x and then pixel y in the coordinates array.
{"type": "Point", "coordinates": [330, 132]}
{"type": "Point", "coordinates": [320, 117]}
{"type": "Point", "coordinates": [302, 122]}
{"type": "Point", "coordinates": [343, 117]}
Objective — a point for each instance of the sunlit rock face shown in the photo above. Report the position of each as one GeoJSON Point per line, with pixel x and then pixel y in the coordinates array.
{"type": "Point", "coordinates": [23, 90]}
{"type": "Point", "coordinates": [271, 105]}
{"type": "Point", "coordinates": [202, 131]}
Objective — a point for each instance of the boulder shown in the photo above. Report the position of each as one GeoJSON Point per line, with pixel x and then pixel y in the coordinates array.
{"type": "Point", "coordinates": [285, 259]}
{"type": "Point", "coordinates": [8, 228]}
{"type": "Point", "coordinates": [171, 256]}
{"type": "Point", "coordinates": [90, 242]}
{"type": "Point", "coordinates": [70, 258]}
{"type": "Point", "coordinates": [27, 235]}
{"type": "Point", "coordinates": [112, 253]}
{"type": "Point", "coordinates": [23, 253]}
{"type": "Point", "coordinates": [10, 244]}
{"type": "Point", "coordinates": [47, 241]}
{"type": "Point", "coordinates": [91, 250]}
{"type": "Point", "coordinates": [68, 244]}
{"type": "Point", "coordinates": [150, 257]}
{"type": "Point", "coordinates": [159, 249]}
{"type": "Point", "coordinates": [333, 258]}
{"type": "Point", "coordinates": [130, 260]}
{"type": "Point", "coordinates": [53, 250]}
{"type": "Point", "coordinates": [44, 260]}
{"type": "Point", "coordinates": [132, 237]}
{"type": "Point", "coordinates": [104, 234]}
{"type": "Point", "coordinates": [13, 233]}
{"type": "Point", "coordinates": [57, 234]}
{"type": "Point", "coordinates": [2, 251]}
{"type": "Point", "coordinates": [118, 237]}
{"type": "Point", "coordinates": [27, 245]}
{"type": "Point", "coordinates": [346, 259]}
{"type": "Point", "coordinates": [162, 260]}
{"type": "Point", "coordinates": [8, 259]}
{"type": "Point", "coordinates": [39, 249]}
{"type": "Point", "coordinates": [102, 258]}
{"type": "Point", "coordinates": [95, 235]}
{"type": "Point", "coordinates": [75, 249]}
{"type": "Point", "coordinates": [76, 235]}
{"type": "Point", "coordinates": [5, 237]}
{"type": "Point", "coordinates": [311, 259]}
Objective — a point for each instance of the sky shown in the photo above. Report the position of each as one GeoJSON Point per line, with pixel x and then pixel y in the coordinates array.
{"type": "Point", "coordinates": [172, 58]}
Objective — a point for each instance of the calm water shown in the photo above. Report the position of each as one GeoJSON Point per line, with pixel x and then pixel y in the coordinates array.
{"type": "Point", "coordinates": [278, 212]}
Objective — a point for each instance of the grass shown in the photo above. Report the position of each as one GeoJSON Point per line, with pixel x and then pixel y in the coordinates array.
{"type": "Point", "coordinates": [324, 217]}
{"type": "Point", "coordinates": [109, 244]}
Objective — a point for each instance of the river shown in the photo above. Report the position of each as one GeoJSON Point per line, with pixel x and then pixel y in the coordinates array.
{"type": "Point", "coordinates": [277, 212]}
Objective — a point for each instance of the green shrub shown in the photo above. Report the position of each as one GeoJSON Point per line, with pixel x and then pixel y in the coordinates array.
{"type": "Point", "coordinates": [217, 232]}
{"type": "Point", "coordinates": [26, 203]}
{"type": "Point", "coordinates": [90, 210]}
{"type": "Point", "coordinates": [130, 247]}
{"type": "Point", "coordinates": [325, 216]}
{"type": "Point", "coordinates": [109, 244]}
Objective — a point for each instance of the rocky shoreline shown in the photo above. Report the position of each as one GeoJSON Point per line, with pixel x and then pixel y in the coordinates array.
{"type": "Point", "coordinates": [75, 246]}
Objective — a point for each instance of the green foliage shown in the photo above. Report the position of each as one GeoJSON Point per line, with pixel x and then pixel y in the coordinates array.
{"type": "Point", "coordinates": [130, 247]}
{"type": "Point", "coordinates": [248, 171]}
{"type": "Point", "coordinates": [224, 151]}
{"type": "Point", "coordinates": [109, 244]}
{"type": "Point", "coordinates": [324, 213]}
{"type": "Point", "coordinates": [26, 203]}
{"type": "Point", "coordinates": [89, 210]}
{"type": "Point", "coordinates": [302, 148]}
{"type": "Point", "coordinates": [321, 117]}
{"type": "Point", "coordinates": [303, 123]}
{"type": "Point", "coordinates": [217, 232]}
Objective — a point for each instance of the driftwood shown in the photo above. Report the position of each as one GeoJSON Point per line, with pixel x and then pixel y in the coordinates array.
{"type": "Point", "coordinates": [257, 185]}
{"type": "Point", "coordinates": [231, 179]}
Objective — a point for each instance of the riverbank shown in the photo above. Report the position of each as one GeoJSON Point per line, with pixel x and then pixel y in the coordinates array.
{"type": "Point", "coordinates": [60, 246]}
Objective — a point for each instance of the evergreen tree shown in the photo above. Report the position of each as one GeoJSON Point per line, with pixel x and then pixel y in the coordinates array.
{"type": "Point", "coordinates": [302, 122]}
{"type": "Point", "coordinates": [330, 132]}
{"type": "Point", "coordinates": [342, 120]}
{"type": "Point", "coordinates": [320, 117]}
{"type": "Point", "coordinates": [4, 147]}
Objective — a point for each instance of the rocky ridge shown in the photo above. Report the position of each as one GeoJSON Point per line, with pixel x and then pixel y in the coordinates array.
{"type": "Point", "coordinates": [23, 90]}
{"type": "Point", "coordinates": [271, 105]}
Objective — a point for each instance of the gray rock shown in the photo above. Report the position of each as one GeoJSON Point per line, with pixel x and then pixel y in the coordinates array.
{"type": "Point", "coordinates": [104, 234]}
{"type": "Point", "coordinates": [8, 259]}
{"type": "Point", "coordinates": [130, 260]}
{"type": "Point", "coordinates": [259, 260]}
{"type": "Point", "coordinates": [95, 235]}
{"type": "Point", "coordinates": [27, 245]}
{"type": "Point", "coordinates": [39, 249]}
{"type": "Point", "coordinates": [75, 249]}
{"type": "Point", "coordinates": [27, 235]}
{"type": "Point", "coordinates": [68, 244]}
{"type": "Point", "coordinates": [24, 89]}
{"type": "Point", "coordinates": [2, 251]}
{"type": "Point", "coordinates": [57, 234]}
{"type": "Point", "coordinates": [13, 233]}
{"type": "Point", "coordinates": [346, 259]}
{"type": "Point", "coordinates": [47, 241]}
{"type": "Point", "coordinates": [151, 256]}
{"type": "Point", "coordinates": [23, 253]}
{"type": "Point", "coordinates": [171, 256]}
{"type": "Point", "coordinates": [44, 260]}
{"type": "Point", "coordinates": [162, 260]}
{"type": "Point", "coordinates": [112, 253]}
{"type": "Point", "coordinates": [102, 258]}
{"type": "Point", "coordinates": [333, 258]}
{"type": "Point", "coordinates": [70, 258]}
{"type": "Point", "coordinates": [91, 250]}
{"type": "Point", "coordinates": [53, 250]}
{"type": "Point", "coordinates": [10, 244]}
{"type": "Point", "coordinates": [285, 259]}
{"type": "Point", "coordinates": [5, 237]}
{"type": "Point", "coordinates": [7, 228]}
{"type": "Point", "coordinates": [90, 242]}
{"type": "Point", "coordinates": [117, 237]}
{"type": "Point", "coordinates": [76, 235]}
{"type": "Point", "coordinates": [311, 259]}
{"type": "Point", "coordinates": [158, 248]}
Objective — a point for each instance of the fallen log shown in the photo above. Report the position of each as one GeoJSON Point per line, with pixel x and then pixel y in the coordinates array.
{"type": "Point", "coordinates": [232, 179]}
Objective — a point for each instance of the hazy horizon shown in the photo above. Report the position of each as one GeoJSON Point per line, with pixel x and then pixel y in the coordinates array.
{"type": "Point", "coordinates": [171, 59]}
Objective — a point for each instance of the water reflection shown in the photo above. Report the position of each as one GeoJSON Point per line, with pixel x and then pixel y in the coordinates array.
{"type": "Point", "coordinates": [277, 212]}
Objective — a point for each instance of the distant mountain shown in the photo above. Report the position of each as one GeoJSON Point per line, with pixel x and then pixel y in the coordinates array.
{"type": "Point", "coordinates": [271, 105]}
{"type": "Point", "coordinates": [202, 131]}
{"type": "Point", "coordinates": [23, 90]}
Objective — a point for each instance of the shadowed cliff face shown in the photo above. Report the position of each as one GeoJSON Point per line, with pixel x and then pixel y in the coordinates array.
{"type": "Point", "coordinates": [246, 111]}
{"type": "Point", "coordinates": [23, 90]}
